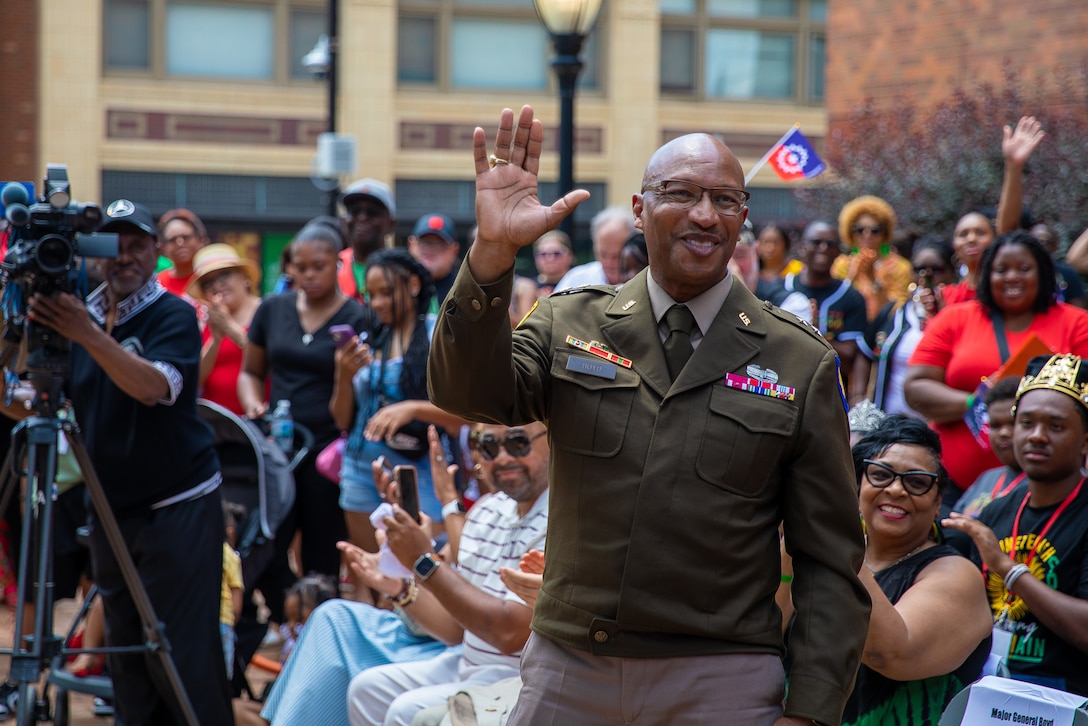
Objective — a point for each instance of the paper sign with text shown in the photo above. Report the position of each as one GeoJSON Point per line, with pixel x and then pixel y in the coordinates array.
{"type": "Point", "coordinates": [994, 701]}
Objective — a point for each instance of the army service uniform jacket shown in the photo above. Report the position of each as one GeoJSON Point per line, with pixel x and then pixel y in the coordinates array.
{"type": "Point", "coordinates": [666, 498]}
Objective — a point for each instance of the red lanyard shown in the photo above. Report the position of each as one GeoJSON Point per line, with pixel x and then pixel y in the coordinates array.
{"type": "Point", "coordinates": [995, 494]}
{"type": "Point", "coordinates": [1046, 528]}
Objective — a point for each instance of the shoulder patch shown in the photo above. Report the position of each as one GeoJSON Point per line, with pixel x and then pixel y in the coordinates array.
{"type": "Point", "coordinates": [796, 322]}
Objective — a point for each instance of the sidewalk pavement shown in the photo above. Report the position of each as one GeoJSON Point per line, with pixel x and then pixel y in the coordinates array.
{"type": "Point", "coordinates": [81, 705]}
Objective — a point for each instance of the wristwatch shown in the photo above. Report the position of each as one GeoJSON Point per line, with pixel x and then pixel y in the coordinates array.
{"type": "Point", "coordinates": [425, 566]}
{"type": "Point", "coordinates": [454, 507]}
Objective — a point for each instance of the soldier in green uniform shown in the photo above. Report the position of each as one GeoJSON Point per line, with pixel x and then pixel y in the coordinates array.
{"type": "Point", "coordinates": [687, 421]}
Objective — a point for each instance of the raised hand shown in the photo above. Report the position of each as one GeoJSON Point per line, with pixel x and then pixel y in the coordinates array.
{"type": "Point", "coordinates": [1018, 144]}
{"type": "Point", "coordinates": [509, 214]}
{"type": "Point", "coordinates": [442, 473]}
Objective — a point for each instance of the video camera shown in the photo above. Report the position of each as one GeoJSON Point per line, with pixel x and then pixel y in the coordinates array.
{"type": "Point", "coordinates": [48, 241]}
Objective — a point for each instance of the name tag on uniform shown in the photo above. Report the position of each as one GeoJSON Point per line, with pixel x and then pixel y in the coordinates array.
{"type": "Point", "coordinates": [591, 366]}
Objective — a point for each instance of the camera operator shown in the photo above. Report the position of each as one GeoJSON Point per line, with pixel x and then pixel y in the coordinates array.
{"type": "Point", "coordinates": [134, 368]}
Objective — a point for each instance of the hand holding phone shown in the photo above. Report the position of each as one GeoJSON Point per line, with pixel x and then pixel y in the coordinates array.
{"type": "Point", "coordinates": [408, 486]}
{"type": "Point", "coordinates": [341, 335]}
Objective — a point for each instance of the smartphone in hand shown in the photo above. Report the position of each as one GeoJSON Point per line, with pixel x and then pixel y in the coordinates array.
{"type": "Point", "coordinates": [408, 486]}
{"type": "Point", "coordinates": [341, 335]}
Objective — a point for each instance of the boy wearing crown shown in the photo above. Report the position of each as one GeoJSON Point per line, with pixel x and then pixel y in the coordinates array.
{"type": "Point", "coordinates": [1032, 545]}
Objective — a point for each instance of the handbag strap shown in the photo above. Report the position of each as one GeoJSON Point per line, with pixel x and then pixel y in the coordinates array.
{"type": "Point", "coordinates": [999, 333]}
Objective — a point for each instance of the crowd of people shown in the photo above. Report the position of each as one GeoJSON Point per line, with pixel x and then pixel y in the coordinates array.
{"type": "Point", "coordinates": [829, 474]}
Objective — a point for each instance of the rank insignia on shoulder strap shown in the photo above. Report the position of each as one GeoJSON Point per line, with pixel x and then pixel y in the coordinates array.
{"type": "Point", "coordinates": [520, 322]}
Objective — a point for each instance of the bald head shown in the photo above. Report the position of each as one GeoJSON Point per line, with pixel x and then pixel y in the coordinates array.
{"type": "Point", "coordinates": [692, 148]}
{"type": "Point", "coordinates": [687, 213]}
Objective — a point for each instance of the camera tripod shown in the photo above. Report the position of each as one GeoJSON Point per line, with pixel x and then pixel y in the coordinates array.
{"type": "Point", "coordinates": [33, 653]}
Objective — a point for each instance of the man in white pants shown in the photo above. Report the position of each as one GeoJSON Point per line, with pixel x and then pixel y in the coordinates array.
{"type": "Point", "coordinates": [469, 603]}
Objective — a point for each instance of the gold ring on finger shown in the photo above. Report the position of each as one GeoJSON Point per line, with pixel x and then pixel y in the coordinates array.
{"type": "Point", "coordinates": [493, 161]}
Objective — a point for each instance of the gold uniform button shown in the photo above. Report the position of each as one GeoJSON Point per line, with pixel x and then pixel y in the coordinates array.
{"type": "Point", "coordinates": [476, 304]}
{"type": "Point", "coordinates": [496, 302]}
{"type": "Point", "coordinates": [600, 636]}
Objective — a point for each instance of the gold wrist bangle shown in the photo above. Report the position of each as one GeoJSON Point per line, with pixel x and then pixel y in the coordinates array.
{"type": "Point", "coordinates": [407, 594]}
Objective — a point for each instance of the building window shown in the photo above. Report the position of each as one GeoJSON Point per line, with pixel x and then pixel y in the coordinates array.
{"type": "Point", "coordinates": [127, 31]}
{"type": "Point", "coordinates": [305, 27]}
{"type": "Point", "coordinates": [243, 39]}
{"type": "Point", "coordinates": [743, 49]}
{"type": "Point", "coordinates": [213, 41]}
{"type": "Point", "coordinates": [481, 44]}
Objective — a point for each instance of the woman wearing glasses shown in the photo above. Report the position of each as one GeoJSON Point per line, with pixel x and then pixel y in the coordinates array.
{"type": "Point", "coordinates": [552, 257]}
{"type": "Point", "coordinates": [929, 631]}
{"type": "Point", "coordinates": [872, 264]}
{"type": "Point", "coordinates": [182, 235]}
{"type": "Point", "coordinates": [893, 335]}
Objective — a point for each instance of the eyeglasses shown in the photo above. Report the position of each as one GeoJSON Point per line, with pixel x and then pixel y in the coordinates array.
{"type": "Point", "coordinates": [549, 254]}
{"type": "Point", "coordinates": [859, 230]}
{"type": "Point", "coordinates": [916, 483]}
{"type": "Point", "coordinates": [931, 269]}
{"type": "Point", "coordinates": [727, 201]}
{"type": "Point", "coordinates": [518, 444]}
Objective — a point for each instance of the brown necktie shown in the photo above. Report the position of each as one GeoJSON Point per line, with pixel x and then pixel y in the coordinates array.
{"type": "Point", "coordinates": [678, 346]}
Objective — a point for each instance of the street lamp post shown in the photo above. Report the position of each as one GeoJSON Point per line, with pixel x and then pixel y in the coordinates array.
{"type": "Point", "coordinates": [321, 63]}
{"type": "Point", "coordinates": [568, 22]}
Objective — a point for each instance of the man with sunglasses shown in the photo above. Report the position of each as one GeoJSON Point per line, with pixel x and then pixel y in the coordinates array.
{"type": "Point", "coordinates": [370, 214]}
{"type": "Point", "coordinates": [391, 669]}
{"type": "Point", "coordinates": [1032, 544]}
{"type": "Point", "coordinates": [688, 420]}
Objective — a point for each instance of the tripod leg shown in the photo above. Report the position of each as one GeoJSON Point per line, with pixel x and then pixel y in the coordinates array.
{"type": "Point", "coordinates": [157, 641]}
{"type": "Point", "coordinates": [28, 695]}
{"type": "Point", "coordinates": [32, 651]}
{"type": "Point", "coordinates": [8, 480]}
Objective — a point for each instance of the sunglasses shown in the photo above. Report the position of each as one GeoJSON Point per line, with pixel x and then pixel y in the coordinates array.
{"type": "Point", "coordinates": [517, 443]}
{"type": "Point", "coordinates": [931, 269]}
{"type": "Point", "coordinates": [859, 230]}
{"type": "Point", "coordinates": [881, 476]}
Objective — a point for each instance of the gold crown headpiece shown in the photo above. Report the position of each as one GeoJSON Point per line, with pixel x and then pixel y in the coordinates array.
{"type": "Point", "coordinates": [1062, 373]}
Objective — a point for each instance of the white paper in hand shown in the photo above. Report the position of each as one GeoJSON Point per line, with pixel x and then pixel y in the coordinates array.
{"type": "Point", "coordinates": [388, 564]}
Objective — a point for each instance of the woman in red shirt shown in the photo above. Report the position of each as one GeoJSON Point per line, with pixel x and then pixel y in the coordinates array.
{"type": "Point", "coordinates": [227, 286]}
{"type": "Point", "coordinates": [974, 233]}
{"type": "Point", "coordinates": [182, 235]}
{"type": "Point", "coordinates": [965, 343]}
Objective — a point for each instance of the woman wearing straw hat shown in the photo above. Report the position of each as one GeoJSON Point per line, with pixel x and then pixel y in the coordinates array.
{"type": "Point", "coordinates": [226, 284]}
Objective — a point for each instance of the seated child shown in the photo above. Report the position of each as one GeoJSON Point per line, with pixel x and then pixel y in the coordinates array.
{"type": "Point", "coordinates": [305, 595]}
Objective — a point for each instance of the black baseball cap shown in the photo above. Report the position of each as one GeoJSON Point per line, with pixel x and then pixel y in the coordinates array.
{"type": "Point", "coordinates": [122, 212]}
